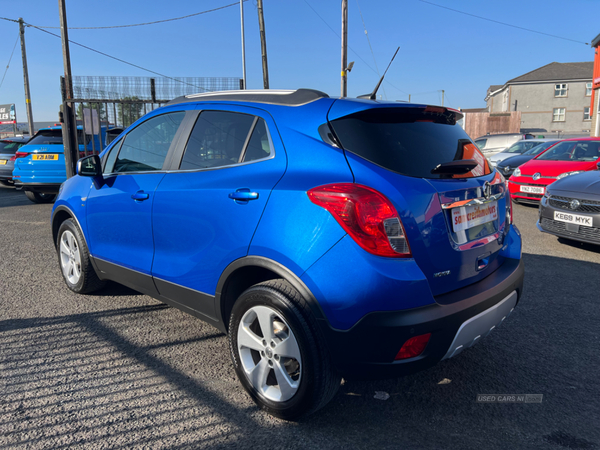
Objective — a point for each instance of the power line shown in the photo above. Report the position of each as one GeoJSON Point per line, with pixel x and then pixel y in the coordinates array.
{"type": "Point", "coordinates": [369, 41]}
{"type": "Point", "coordinates": [118, 59]}
{"type": "Point", "coordinates": [353, 51]}
{"type": "Point", "coordinates": [9, 60]}
{"type": "Point", "coordinates": [504, 23]}
{"type": "Point", "coordinates": [150, 23]}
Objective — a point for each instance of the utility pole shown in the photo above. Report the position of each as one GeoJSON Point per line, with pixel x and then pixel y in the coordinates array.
{"type": "Point", "coordinates": [263, 44]}
{"type": "Point", "coordinates": [243, 44]}
{"type": "Point", "coordinates": [26, 79]}
{"type": "Point", "coordinates": [344, 47]}
{"type": "Point", "coordinates": [69, 125]}
{"type": "Point", "coordinates": [443, 97]}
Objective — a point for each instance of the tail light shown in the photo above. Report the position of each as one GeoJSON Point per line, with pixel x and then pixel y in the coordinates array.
{"type": "Point", "coordinates": [366, 215]}
{"type": "Point", "coordinates": [19, 154]}
{"type": "Point", "coordinates": [413, 347]}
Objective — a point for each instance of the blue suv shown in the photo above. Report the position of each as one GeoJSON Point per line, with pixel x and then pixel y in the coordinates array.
{"type": "Point", "coordinates": [39, 167]}
{"type": "Point", "coordinates": [327, 237]}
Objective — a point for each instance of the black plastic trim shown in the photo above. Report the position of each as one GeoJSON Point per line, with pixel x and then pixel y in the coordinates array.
{"type": "Point", "coordinates": [128, 277]}
{"type": "Point", "coordinates": [190, 298]}
{"type": "Point", "coordinates": [279, 269]}
{"type": "Point", "coordinates": [367, 350]}
{"type": "Point", "coordinates": [45, 188]}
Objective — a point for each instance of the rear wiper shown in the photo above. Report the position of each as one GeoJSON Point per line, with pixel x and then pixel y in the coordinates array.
{"type": "Point", "coordinates": [458, 167]}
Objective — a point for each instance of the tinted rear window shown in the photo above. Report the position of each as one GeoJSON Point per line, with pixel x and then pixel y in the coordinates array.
{"type": "Point", "coordinates": [47, 137]}
{"type": "Point", "coordinates": [408, 141]}
{"type": "Point", "coordinates": [7, 147]}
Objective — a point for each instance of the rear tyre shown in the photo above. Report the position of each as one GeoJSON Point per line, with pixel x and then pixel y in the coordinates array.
{"type": "Point", "coordinates": [74, 260]}
{"type": "Point", "coordinates": [273, 339]}
{"type": "Point", "coordinates": [5, 183]}
{"type": "Point", "coordinates": [39, 197]}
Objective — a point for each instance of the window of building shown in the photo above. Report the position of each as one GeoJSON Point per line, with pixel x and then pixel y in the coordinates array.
{"type": "Point", "coordinates": [560, 90]}
{"type": "Point", "coordinates": [559, 115]}
{"type": "Point", "coordinates": [588, 89]}
{"type": "Point", "coordinates": [586, 113]}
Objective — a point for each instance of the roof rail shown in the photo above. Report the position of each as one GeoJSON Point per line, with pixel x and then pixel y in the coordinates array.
{"type": "Point", "coordinates": [274, 97]}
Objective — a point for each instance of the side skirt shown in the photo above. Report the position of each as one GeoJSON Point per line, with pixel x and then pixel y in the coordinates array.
{"type": "Point", "coordinates": [193, 302]}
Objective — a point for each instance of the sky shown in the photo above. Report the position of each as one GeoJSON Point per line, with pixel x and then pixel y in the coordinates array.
{"type": "Point", "coordinates": [440, 49]}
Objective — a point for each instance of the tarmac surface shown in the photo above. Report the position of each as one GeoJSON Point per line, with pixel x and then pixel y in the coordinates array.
{"type": "Point", "coordinates": [121, 370]}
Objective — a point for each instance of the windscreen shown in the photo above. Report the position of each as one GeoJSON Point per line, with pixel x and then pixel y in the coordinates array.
{"type": "Point", "coordinates": [521, 147]}
{"type": "Point", "coordinates": [539, 148]}
{"type": "Point", "coordinates": [47, 137]}
{"type": "Point", "coordinates": [572, 151]}
{"type": "Point", "coordinates": [409, 141]}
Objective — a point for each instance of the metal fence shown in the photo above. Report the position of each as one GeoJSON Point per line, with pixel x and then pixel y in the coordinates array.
{"type": "Point", "coordinates": [103, 104]}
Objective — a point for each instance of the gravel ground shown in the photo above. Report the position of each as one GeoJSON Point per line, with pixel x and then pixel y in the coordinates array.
{"type": "Point", "coordinates": [121, 370]}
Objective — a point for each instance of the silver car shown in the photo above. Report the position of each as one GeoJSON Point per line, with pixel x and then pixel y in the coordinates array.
{"type": "Point", "coordinates": [517, 148]}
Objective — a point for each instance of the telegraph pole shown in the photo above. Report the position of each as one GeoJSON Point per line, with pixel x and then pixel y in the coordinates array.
{"type": "Point", "coordinates": [263, 44]}
{"type": "Point", "coordinates": [443, 97]}
{"type": "Point", "coordinates": [243, 44]}
{"type": "Point", "coordinates": [26, 79]}
{"type": "Point", "coordinates": [69, 125]}
{"type": "Point", "coordinates": [344, 47]}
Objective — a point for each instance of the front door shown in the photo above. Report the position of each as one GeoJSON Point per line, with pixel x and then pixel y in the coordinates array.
{"type": "Point", "coordinates": [119, 211]}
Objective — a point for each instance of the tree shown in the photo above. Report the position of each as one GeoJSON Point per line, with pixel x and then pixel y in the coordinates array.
{"type": "Point", "coordinates": [129, 111]}
{"type": "Point", "coordinates": [97, 106]}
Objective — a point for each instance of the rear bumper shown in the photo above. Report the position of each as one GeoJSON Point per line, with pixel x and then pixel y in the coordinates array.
{"type": "Point", "coordinates": [44, 188]}
{"type": "Point", "coordinates": [368, 349]}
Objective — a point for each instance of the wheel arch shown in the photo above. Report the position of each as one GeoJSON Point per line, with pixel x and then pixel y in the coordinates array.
{"type": "Point", "coordinates": [248, 271]}
{"type": "Point", "coordinates": [60, 214]}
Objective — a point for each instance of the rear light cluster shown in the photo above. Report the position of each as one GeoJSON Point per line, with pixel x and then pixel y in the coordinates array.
{"type": "Point", "coordinates": [19, 154]}
{"type": "Point", "coordinates": [366, 215]}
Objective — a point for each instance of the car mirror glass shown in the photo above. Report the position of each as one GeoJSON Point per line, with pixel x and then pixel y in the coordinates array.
{"type": "Point", "coordinates": [89, 166]}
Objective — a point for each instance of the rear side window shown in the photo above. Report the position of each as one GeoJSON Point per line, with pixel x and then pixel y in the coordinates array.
{"type": "Point", "coordinates": [145, 147]}
{"type": "Point", "coordinates": [218, 139]}
{"type": "Point", "coordinates": [409, 141]}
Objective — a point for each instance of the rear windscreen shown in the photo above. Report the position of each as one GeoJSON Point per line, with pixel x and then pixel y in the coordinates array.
{"type": "Point", "coordinates": [409, 141]}
{"type": "Point", "coordinates": [47, 137]}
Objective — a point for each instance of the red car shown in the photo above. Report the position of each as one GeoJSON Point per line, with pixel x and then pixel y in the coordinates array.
{"type": "Point", "coordinates": [529, 181]}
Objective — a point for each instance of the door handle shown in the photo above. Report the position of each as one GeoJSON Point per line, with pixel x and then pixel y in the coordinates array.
{"type": "Point", "coordinates": [140, 196]}
{"type": "Point", "coordinates": [243, 195]}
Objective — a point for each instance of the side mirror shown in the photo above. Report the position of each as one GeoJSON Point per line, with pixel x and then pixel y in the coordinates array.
{"type": "Point", "coordinates": [90, 166]}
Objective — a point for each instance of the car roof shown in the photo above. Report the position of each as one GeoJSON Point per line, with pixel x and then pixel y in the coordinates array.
{"type": "Point", "coordinates": [15, 139]}
{"type": "Point", "coordinates": [583, 139]}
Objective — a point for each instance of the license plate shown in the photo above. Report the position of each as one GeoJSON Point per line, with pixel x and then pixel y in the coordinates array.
{"type": "Point", "coordinates": [586, 221]}
{"type": "Point", "coordinates": [532, 189]}
{"type": "Point", "coordinates": [45, 157]}
{"type": "Point", "coordinates": [466, 217]}
{"type": "Point", "coordinates": [2, 162]}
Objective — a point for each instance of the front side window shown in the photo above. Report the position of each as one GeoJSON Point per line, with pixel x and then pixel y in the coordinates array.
{"type": "Point", "coordinates": [588, 89]}
{"type": "Point", "coordinates": [222, 138]}
{"type": "Point", "coordinates": [558, 115]}
{"type": "Point", "coordinates": [586, 113]}
{"type": "Point", "coordinates": [560, 90]}
{"type": "Point", "coordinates": [145, 147]}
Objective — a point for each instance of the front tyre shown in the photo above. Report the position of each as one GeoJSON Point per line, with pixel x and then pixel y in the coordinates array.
{"type": "Point", "coordinates": [74, 260]}
{"type": "Point", "coordinates": [40, 197]}
{"type": "Point", "coordinates": [273, 339]}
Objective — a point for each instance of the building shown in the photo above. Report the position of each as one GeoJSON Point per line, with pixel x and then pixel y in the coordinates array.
{"type": "Point", "coordinates": [554, 99]}
{"type": "Point", "coordinates": [595, 101]}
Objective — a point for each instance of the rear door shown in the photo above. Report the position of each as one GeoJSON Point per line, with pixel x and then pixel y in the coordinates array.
{"type": "Point", "coordinates": [119, 211]}
{"type": "Point", "coordinates": [207, 209]}
{"type": "Point", "coordinates": [455, 223]}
